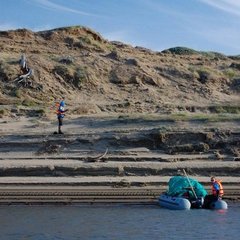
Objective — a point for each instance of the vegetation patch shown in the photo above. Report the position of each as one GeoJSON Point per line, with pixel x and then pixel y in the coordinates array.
{"type": "Point", "coordinates": [28, 102]}
{"type": "Point", "coordinates": [229, 73]}
{"type": "Point", "coordinates": [225, 109]}
{"type": "Point", "coordinates": [4, 112]}
{"type": "Point", "coordinates": [80, 76]}
{"type": "Point", "coordinates": [217, 117]}
{"type": "Point", "coordinates": [181, 51]}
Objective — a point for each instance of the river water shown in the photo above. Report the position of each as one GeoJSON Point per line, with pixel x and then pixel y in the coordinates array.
{"type": "Point", "coordinates": [116, 222]}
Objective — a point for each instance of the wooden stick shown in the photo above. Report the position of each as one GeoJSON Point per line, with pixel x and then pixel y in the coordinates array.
{"type": "Point", "coordinates": [194, 193]}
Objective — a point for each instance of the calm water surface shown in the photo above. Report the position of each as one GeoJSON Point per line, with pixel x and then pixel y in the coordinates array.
{"type": "Point", "coordinates": [116, 222]}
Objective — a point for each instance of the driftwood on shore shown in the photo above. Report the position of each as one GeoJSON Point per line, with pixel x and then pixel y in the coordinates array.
{"type": "Point", "coordinates": [98, 158]}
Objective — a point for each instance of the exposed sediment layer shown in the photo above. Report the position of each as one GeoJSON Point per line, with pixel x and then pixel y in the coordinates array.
{"type": "Point", "coordinates": [124, 163]}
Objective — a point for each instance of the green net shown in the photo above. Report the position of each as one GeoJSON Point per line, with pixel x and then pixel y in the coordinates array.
{"type": "Point", "coordinates": [179, 186]}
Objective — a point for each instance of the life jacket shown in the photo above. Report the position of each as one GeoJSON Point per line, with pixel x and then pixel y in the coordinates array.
{"type": "Point", "coordinates": [221, 192]}
{"type": "Point", "coordinates": [57, 107]}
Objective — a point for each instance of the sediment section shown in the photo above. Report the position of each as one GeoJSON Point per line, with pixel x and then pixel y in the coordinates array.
{"type": "Point", "coordinates": [115, 164]}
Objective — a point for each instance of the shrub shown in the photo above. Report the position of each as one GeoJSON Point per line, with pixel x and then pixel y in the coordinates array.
{"type": "Point", "coordinates": [80, 76]}
{"type": "Point", "coordinates": [41, 112]}
{"type": "Point", "coordinates": [69, 41]}
{"type": "Point", "coordinates": [18, 93]}
{"type": "Point", "coordinates": [2, 112]}
{"type": "Point", "coordinates": [229, 73]}
{"type": "Point", "coordinates": [66, 60]}
{"type": "Point", "coordinates": [83, 42]}
{"type": "Point", "coordinates": [28, 102]}
{"type": "Point", "coordinates": [61, 70]}
{"type": "Point", "coordinates": [204, 75]}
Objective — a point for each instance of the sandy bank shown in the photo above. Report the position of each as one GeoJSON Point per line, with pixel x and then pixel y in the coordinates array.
{"type": "Point", "coordinates": [103, 159]}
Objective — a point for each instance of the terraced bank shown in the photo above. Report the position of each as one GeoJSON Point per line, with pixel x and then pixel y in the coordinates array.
{"type": "Point", "coordinates": [114, 161]}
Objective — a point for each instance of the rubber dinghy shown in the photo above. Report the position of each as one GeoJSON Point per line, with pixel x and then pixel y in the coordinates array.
{"type": "Point", "coordinates": [218, 205]}
{"type": "Point", "coordinates": [183, 193]}
{"type": "Point", "coordinates": [175, 203]}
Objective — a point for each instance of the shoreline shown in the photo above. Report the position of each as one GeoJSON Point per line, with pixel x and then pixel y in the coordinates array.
{"type": "Point", "coordinates": [96, 190]}
{"type": "Point", "coordinates": [85, 195]}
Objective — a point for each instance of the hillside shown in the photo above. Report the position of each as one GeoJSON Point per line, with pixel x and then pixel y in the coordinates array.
{"type": "Point", "coordinates": [99, 76]}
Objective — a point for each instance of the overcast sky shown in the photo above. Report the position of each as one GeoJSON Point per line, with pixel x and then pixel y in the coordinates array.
{"type": "Point", "coordinates": [206, 25]}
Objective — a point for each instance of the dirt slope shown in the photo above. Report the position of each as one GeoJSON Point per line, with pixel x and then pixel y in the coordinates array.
{"type": "Point", "coordinates": [97, 76]}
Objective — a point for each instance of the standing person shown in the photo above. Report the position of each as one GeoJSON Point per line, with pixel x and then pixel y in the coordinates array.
{"type": "Point", "coordinates": [217, 192]}
{"type": "Point", "coordinates": [60, 114]}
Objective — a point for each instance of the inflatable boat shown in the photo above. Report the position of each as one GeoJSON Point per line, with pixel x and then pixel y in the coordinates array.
{"type": "Point", "coordinates": [180, 203]}
{"type": "Point", "coordinates": [184, 193]}
{"type": "Point", "coordinates": [218, 205]}
{"type": "Point", "coordinates": [175, 203]}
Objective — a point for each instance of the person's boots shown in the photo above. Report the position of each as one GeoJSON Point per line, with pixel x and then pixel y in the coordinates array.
{"type": "Point", "coordinates": [59, 130]}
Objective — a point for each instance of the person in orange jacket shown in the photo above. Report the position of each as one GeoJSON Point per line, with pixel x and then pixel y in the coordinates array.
{"type": "Point", "coordinates": [217, 192]}
{"type": "Point", "coordinates": [217, 188]}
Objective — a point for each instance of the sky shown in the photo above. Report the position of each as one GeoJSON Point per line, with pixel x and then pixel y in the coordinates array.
{"type": "Point", "coordinates": [203, 25]}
